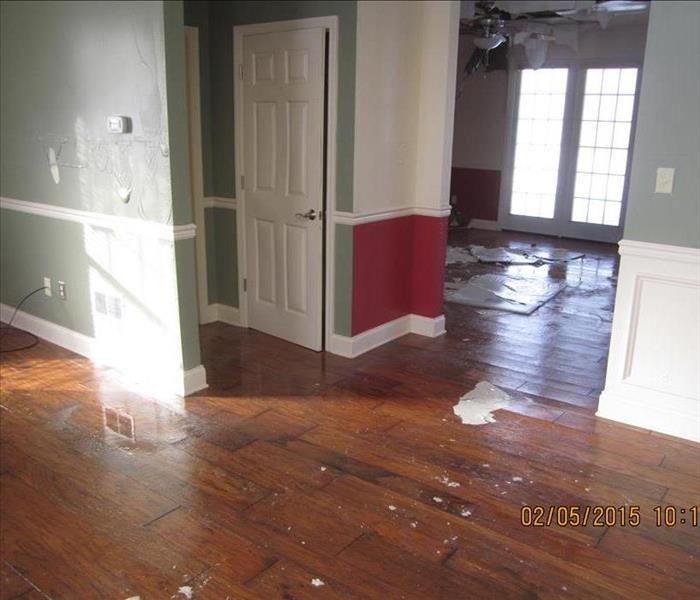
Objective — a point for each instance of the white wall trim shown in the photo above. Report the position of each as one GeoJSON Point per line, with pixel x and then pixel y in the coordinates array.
{"type": "Point", "coordinates": [346, 218]}
{"type": "Point", "coordinates": [659, 251]}
{"type": "Point", "coordinates": [429, 327]}
{"type": "Point", "coordinates": [227, 314]}
{"type": "Point", "coordinates": [119, 224]}
{"type": "Point", "coordinates": [484, 224]}
{"type": "Point", "coordinates": [351, 347]}
{"type": "Point", "coordinates": [195, 379]}
{"type": "Point", "coordinates": [184, 232]}
{"type": "Point", "coordinates": [172, 381]}
{"type": "Point", "coordinates": [220, 202]}
{"type": "Point", "coordinates": [652, 379]}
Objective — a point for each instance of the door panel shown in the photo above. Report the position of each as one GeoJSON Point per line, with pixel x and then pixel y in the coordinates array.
{"type": "Point", "coordinates": [283, 95]}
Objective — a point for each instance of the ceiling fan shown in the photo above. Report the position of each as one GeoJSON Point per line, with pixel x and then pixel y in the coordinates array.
{"type": "Point", "coordinates": [492, 26]}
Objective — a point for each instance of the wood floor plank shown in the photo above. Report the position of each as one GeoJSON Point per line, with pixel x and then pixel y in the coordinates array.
{"type": "Point", "coordinates": [300, 475]}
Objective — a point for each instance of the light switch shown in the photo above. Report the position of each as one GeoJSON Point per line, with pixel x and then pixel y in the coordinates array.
{"type": "Point", "coordinates": [664, 180]}
{"type": "Point", "coordinates": [118, 124]}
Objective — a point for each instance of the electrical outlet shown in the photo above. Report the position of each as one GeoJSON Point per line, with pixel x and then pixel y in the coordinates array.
{"type": "Point", "coordinates": [47, 286]}
{"type": "Point", "coordinates": [62, 290]}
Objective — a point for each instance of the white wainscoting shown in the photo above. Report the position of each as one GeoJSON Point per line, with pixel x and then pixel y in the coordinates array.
{"type": "Point", "coordinates": [653, 376]}
{"type": "Point", "coordinates": [350, 347]}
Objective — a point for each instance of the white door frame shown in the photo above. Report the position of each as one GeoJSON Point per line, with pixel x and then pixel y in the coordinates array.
{"type": "Point", "coordinates": [194, 115]}
{"type": "Point", "coordinates": [330, 24]}
{"type": "Point", "coordinates": [560, 225]}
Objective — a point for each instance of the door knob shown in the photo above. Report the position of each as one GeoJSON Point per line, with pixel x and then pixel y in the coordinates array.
{"type": "Point", "coordinates": [309, 214]}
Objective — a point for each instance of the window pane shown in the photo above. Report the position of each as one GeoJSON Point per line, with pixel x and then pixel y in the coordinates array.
{"type": "Point", "coordinates": [580, 211]}
{"type": "Point", "coordinates": [601, 168]}
{"type": "Point", "coordinates": [611, 77]}
{"type": "Point", "coordinates": [588, 131]}
{"type": "Point", "coordinates": [594, 81]}
{"type": "Point", "coordinates": [590, 107]}
{"type": "Point", "coordinates": [607, 108]}
{"type": "Point", "coordinates": [538, 142]}
{"type": "Point", "coordinates": [628, 81]}
{"type": "Point", "coordinates": [596, 209]}
{"type": "Point", "coordinates": [618, 162]}
{"type": "Point", "coordinates": [598, 185]}
{"type": "Point", "coordinates": [625, 106]}
{"type": "Point", "coordinates": [604, 135]}
{"type": "Point", "coordinates": [621, 137]}
{"type": "Point", "coordinates": [612, 213]}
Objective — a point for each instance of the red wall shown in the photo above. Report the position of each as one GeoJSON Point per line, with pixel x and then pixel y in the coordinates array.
{"type": "Point", "coordinates": [398, 268]}
{"type": "Point", "coordinates": [477, 192]}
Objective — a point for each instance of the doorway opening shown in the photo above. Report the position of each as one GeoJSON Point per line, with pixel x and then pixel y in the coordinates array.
{"type": "Point", "coordinates": [542, 146]}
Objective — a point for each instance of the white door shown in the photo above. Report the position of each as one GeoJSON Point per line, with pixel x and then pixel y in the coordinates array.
{"type": "Point", "coordinates": [283, 114]}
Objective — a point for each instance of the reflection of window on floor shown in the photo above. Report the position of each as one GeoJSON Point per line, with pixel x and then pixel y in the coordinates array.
{"type": "Point", "coordinates": [538, 142]}
{"type": "Point", "coordinates": [119, 422]}
{"type": "Point", "coordinates": [606, 121]}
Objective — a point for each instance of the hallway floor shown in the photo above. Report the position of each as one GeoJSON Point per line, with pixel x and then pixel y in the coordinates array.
{"type": "Point", "coordinates": [299, 475]}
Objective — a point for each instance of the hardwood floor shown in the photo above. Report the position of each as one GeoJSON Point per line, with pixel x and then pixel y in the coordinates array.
{"type": "Point", "coordinates": [299, 475]}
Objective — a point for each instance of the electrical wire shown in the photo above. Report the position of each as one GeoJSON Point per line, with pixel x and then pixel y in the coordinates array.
{"type": "Point", "coordinates": [9, 327]}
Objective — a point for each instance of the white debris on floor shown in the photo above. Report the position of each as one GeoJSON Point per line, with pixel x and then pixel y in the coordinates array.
{"type": "Point", "coordinates": [445, 480]}
{"type": "Point", "coordinates": [502, 255]}
{"type": "Point", "coordinates": [316, 582]}
{"type": "Point", "coordinates": [458, 255]}
{"type": "Point", "coordinates": [477, 407]}
{"type": "Point", "coordinates": [522, 295]}
{"type": "Point", "coordinates": [391, 507]}
{"type": "Point", "coordinates": [186, 592]}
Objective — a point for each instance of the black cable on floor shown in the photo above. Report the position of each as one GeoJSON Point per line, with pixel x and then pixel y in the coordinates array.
{"type": "Point", "coordinates": [8, 327]}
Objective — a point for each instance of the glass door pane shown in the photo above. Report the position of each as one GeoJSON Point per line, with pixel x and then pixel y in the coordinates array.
{"type": "Point", "coordinates": [601, 167]}
{"type": "Point", "coordinates": [538, 142]}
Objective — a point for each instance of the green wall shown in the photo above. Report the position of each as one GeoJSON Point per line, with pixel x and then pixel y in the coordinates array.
{"type": "Point", "coordinates": [222, 256]}
{"type": "Point", "coordinates": [668, 133]}
{"type": "Point", "coordinates": [66, 66]}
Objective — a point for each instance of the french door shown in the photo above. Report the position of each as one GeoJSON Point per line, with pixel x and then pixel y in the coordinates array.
{"type": "Point", "coordinates": [569, 151]}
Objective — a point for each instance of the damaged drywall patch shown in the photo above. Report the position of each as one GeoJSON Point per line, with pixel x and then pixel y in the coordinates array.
{"type": "Point", "coordinates": [477, 407]}
{"type": "Point", "coordinates": [501, 255]}
{"type": "Point", "coordinates": [521, 295]}
{"type": "Point", "coordinates": [455, 254]}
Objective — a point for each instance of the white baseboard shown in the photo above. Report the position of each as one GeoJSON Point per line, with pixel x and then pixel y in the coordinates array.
{"type": "Point", "coordinates": [149, 380]}
{"type": "Point", "coordinates": [484, 224]}
{"type": "Point", "coordinates": [427, 326]}
{"type": "Point", "coordinates": [221, 312]}
{"type": "Point", "coordinates": [653, 379]}
{"type": "Point", "coordinates": [227, 314]}
{"type": "Point", "coordinates": [351, 347]}
{"type": "Point", "coordinates": [194, 380]}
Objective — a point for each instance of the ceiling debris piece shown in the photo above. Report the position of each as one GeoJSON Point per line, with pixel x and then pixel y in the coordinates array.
{"type": "Point", "coordinates": [521, 295]}
{"type": "Point", "coordinates": [458, 255]}
{"type": "Point", "coordinates": [477, 407]}
{"type": "Point", "coordinates": [502, 255]}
